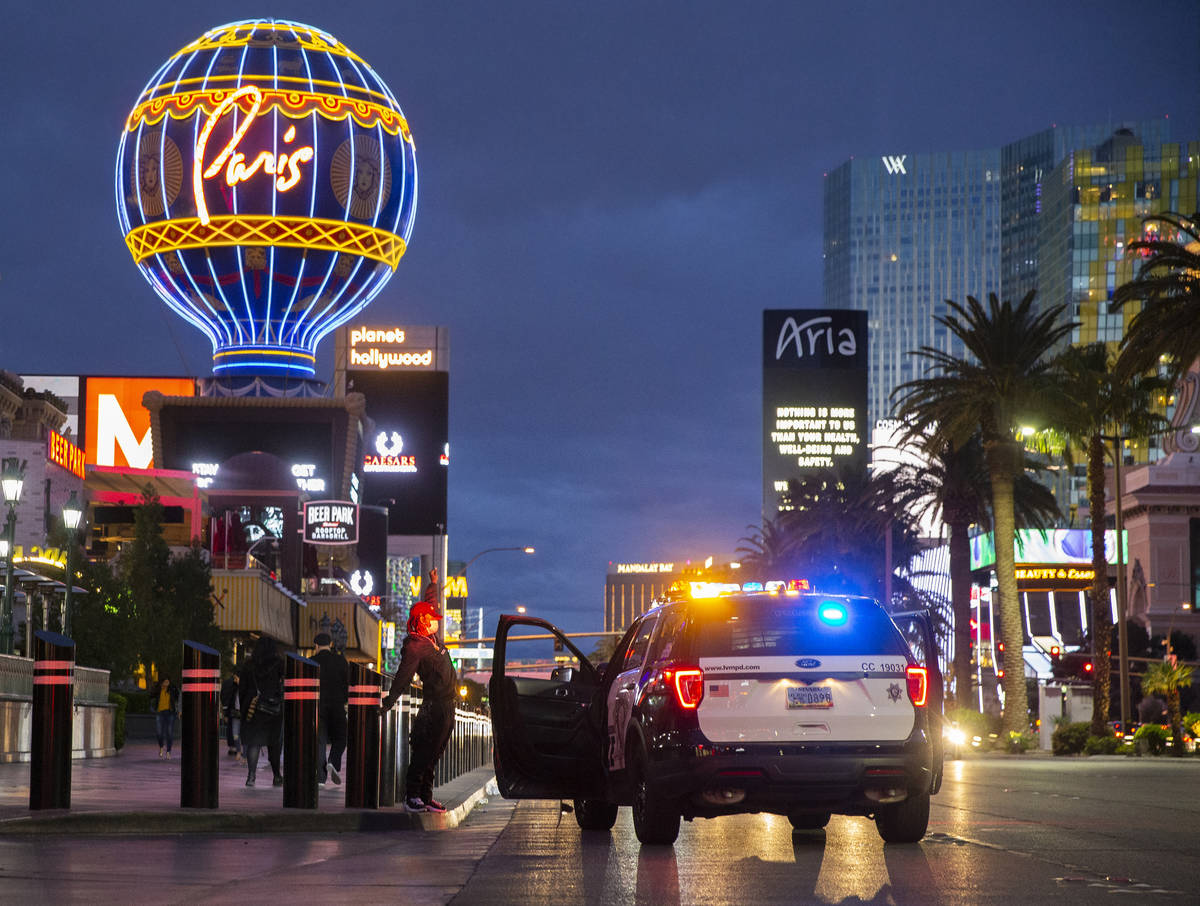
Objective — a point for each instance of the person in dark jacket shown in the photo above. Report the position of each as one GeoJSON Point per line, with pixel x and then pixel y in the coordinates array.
{"type": "Point", "coordinates": [261, 691]}
{"type": "Point", "coordinates": [232, 709]}
{"type": "Point", "coordinates": [166, 706]}
{"type": "Point", "coordinates": [423, 656]}
{"type": "Point", "coordinates": [331, 709]}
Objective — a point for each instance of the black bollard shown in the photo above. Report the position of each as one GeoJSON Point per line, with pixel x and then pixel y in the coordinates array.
{"type": "Point", "coordinates": [362, 748]}
{"type": "Point", "coordinates": [201, 690]}
{"type": "Point", "coordinates": [387, 758]}
{"type": "Point", "coordinates": [53, 720]}
{"type": "Point", "coordinates": [301, 694]}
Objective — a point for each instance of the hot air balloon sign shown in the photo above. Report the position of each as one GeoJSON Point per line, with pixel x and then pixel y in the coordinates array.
{"type": "Point", "coordinates": [266, 185]}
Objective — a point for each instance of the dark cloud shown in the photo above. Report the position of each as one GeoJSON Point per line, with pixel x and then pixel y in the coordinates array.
{"type": "Point", "coordinates": [610, 195]}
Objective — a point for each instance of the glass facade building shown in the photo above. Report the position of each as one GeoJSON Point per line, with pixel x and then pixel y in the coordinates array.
{"type": "Point", "coordinates": [903, 233]}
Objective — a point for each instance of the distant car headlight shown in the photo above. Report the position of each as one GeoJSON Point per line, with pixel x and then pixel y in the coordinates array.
{"type": "Point", "coordinates": [956, 736]}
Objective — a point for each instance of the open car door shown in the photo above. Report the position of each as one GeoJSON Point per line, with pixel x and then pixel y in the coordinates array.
{"type": "Point", "coordinates": [547, 740]}
{"type": "Point", "coordinates": [917, 628]}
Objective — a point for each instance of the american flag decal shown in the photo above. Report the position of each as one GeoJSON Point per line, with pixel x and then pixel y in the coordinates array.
{"type": "Point", "coordinates": [718, 690]}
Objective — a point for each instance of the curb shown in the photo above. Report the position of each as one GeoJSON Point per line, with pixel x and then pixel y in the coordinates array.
{"type": "Point", "coordinates": [215, 821]}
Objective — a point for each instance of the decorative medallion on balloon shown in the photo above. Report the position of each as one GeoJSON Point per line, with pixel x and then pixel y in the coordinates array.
{"type": "Point", "coordinates": [266, 185]}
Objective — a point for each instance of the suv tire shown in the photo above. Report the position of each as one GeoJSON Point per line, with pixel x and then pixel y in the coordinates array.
{"type": "Point", "coordinates": [904, 822]}
{"type": "Point", "coordinates": [595, 814]}
{"type": "Point", "coordinates": [655, 821]}
{"type": "Point", "coordinates": [809, 820]}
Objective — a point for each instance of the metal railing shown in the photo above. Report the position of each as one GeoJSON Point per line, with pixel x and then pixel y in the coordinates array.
{"type": "Point", "coordinates": [470, 745]}
{"type": "Point", "coordinates": [16, 678]}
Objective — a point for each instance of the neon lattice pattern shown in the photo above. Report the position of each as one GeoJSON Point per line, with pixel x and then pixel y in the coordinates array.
{"type": "Point", "coordinates": [298, 232]}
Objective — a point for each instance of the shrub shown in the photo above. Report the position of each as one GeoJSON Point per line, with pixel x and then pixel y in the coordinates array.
{"type": "Point", "coordinates": [1151, 738]}
{"type": "Point", "coordinates": [118, 718]}
{"type": "Point", "coordinates": [1019, 743]}
{"type": "Point", "coordinates": [1191, 724]}
{"type": "Point", "coordinates": [1069, 739]}
{"type": "Point", "coordinates": [1102, 745]}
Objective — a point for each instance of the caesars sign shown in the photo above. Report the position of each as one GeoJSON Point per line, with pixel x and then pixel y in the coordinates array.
{"type": "Point", "coordinates": [814, 395]}
{"type": "Point", "coordinates": [116, 426]}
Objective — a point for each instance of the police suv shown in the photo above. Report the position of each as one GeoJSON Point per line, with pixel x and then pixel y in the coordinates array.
{"type": "Point", "coordinates": [726, 700]}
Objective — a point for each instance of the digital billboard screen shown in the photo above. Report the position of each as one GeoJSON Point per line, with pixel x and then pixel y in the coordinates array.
{"type": "Point", "coordinates": [116, 426]}
{"type": "Point", "coordinates": [406, 457]}
{"type": "Point", "coordinates": [814, 395]}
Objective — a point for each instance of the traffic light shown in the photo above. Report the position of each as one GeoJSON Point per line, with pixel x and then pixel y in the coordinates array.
{"type": "Point", "coordinates": [558, 646]}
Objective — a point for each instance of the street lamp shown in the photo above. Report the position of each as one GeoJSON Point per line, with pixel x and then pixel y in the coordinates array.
{"type": "Point", "coordinates": [1122, 591]}
{"type": "Point", "coordinates": [526, 550]}
{"type": "Point", "coordinates": [12, 480]}
{"type": "Point", "coordinates": [72, 513]}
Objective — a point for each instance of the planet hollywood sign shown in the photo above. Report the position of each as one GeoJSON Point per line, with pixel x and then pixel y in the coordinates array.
{"type": "Point", "coordinates": [330, 522]}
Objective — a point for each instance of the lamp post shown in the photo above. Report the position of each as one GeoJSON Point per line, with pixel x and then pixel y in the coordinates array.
{"type": "Point", "coordinates": [489, 550]}
{"type": "Point", "coordinates": [1122, 592]}
{"type": "Point", "coordinates": [72, 513]}
{"type": "Point", "coordinates": [12, 480]}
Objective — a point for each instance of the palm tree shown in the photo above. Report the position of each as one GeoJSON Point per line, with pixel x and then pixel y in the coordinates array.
{"type": "Point", "coordinates": [954, 486]}
{"type": "Point", "coordinates": [1168, 286]}
{"type": "Point", "coordinates": [1004, 378]}
{"type": "Point", "coordinates": [765, 551]}
{"type": "Point", "coordinates": [1165, 678]}
{"type": "Point", "coordinates": [1094, 402]}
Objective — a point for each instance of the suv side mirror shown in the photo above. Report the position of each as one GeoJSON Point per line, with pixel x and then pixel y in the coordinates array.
{"type": "Point", "coordinates": [562, 674]}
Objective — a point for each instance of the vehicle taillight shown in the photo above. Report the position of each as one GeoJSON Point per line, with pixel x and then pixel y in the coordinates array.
{"type": "Point", "coordinates": [688, 683]}
{"type": "Point", "coordinates": [918, 685]}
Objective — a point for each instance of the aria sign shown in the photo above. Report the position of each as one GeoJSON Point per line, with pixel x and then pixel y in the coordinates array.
{"type": "Point", "coordinates": [330, 522]}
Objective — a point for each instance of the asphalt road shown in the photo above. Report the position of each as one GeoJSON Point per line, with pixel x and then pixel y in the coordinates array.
{"type": "Point", "coordinates": [1033, 830]}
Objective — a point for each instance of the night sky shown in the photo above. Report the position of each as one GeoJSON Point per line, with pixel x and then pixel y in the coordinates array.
{"type": "Point", "coordinates": [610, 195]}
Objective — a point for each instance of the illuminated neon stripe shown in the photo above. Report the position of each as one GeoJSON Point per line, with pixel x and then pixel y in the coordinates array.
{"type": "Point", "coordinates": [52, 680]}
{"type": "Point", "coordinates": [301, 696]}
{"type": "Point", "coordinates": [206, 80]}
{"type": "Point", "coordinates": [53, 665]}
{"type": "Point", "coordinates": [296, 232]}
{"type": "Point", "coordinates": [290, 103]}
{"type": "Point", "coordinates": [201, 672]}
{"type": "Point", "coordinates": [302, 681]}
{"type": "Point", "coordinates": [265, 350]}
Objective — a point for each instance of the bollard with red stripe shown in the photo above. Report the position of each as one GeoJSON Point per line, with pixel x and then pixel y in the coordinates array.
{"type": "Point", "coordinates": [388, 728]}
{"type": "Point", "coordinates": [201, 692]}
{"type": "Point", "coordinates": [301, 694]}
{"type": "Point", "coordinates": [53, 721]}
{"type": "Point", "coordinates": [362, 745]}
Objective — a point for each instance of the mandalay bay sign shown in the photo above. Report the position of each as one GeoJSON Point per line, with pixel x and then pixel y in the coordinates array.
{"type": "Point", "coordinates": [266, 187]}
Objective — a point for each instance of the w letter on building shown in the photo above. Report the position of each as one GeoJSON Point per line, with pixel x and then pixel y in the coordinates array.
{"type": "Point", "coordinates": [895, 165]}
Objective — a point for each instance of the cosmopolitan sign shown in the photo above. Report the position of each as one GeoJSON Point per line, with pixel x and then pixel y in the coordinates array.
{"type": "Point", "coordinates": [330, 522]}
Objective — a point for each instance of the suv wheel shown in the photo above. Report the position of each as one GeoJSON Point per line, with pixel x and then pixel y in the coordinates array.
{"type": "Point", "coordinates": [809, 820]}
{"type": "Point", "coordinates": [904, 822]}
{"type": "Point", "coordinates": [595, 814]}
{"type": "Point", "coordinates": [656, 822]}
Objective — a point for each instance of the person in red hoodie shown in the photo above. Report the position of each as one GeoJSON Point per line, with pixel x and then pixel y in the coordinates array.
{"type": "Point", "coordinates": [422, 655]}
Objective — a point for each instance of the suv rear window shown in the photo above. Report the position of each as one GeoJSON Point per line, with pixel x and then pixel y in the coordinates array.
{"type": "Point", "coordinates": [766, 626]}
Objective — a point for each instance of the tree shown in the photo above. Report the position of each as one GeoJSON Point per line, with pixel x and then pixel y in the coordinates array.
{"type": "Point", "coordinates": [1004, 378]}
{"type": "Point", "coordinates": [766, 550]}
{"type": "Point", "coordinates": [1166, 679]}
{"type": "Point", "coordinates": [170, 599]}
{"type": "Point", "coordinates": [953, 484]}
{"type": "Point", "coordinates": [1091, 403]}
{"type": "Point", "coordinates": [102, 623]}
{"type": "Point", "coordinates": [1168, 287]}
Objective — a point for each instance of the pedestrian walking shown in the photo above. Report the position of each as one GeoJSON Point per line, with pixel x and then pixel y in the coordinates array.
{"type": "Point", "coordinates": [166, 706]}
{"type": "Point", "coordinates": [423, 656]}
{"type": "Point", "coordinates": [331, 709]}
{"type": "Point", "coordinates": [231, 707]}
{"type": "Point", "coordinates": [260, 689]}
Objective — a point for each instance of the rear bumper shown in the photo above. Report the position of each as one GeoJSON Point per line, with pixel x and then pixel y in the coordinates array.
{"type": "Point", "coordinates": [851, 778]}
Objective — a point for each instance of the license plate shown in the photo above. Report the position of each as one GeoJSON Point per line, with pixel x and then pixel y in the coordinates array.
{"type": "Point", "coordinates": [809, 697]}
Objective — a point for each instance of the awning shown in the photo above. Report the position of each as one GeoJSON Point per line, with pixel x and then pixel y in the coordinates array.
{"type": "Point", "coordinates": [248, 601]}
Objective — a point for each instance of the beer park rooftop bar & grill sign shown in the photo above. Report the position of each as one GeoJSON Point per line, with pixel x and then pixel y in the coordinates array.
{"type": "Point", "coordinates": [330, 522]}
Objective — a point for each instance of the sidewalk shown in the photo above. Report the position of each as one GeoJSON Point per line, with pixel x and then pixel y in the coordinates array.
{"type": "Point", "coordinates": [135, 792]}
